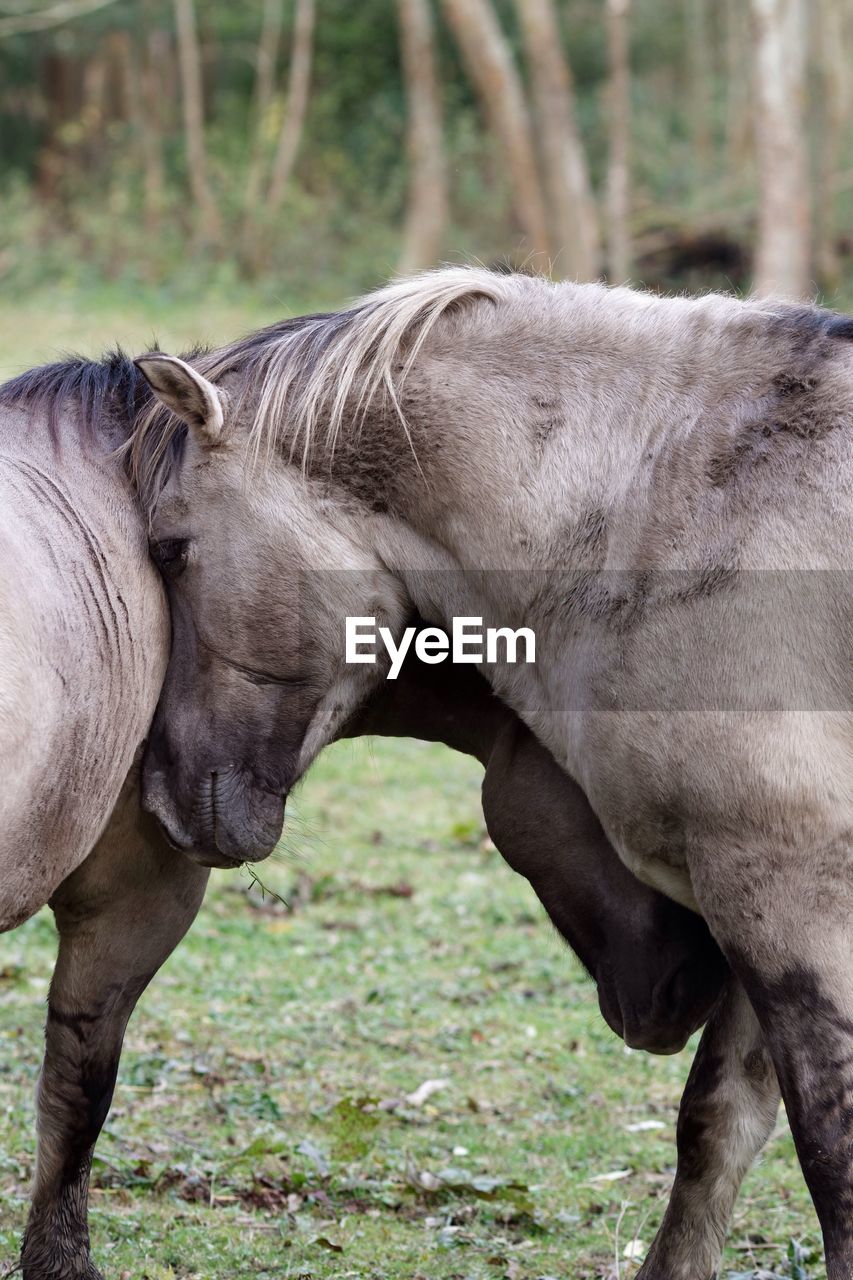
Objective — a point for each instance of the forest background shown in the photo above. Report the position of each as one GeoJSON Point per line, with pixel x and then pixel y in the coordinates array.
{"type": "Point", "coordinates": [297, 152]}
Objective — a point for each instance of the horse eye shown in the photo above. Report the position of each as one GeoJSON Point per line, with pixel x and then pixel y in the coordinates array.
{"type": "Point", "coordinates": [170, 556]}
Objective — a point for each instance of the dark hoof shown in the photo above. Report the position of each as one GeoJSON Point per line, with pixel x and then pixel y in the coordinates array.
{"type": "Point", "coordinates": [46, 1268]}
{"type": "Point", "coordinates": [58, 1273]}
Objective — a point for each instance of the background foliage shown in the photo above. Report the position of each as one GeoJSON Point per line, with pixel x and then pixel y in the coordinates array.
{"type": "Point", "coordinates": [73, 169]}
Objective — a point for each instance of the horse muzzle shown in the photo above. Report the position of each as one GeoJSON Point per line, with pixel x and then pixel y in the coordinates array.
{"type": "Point", "coordinates": [226, 819]}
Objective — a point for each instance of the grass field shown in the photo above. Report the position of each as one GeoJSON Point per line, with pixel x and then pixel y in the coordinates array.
{"type": "Point", "coordinates": [273, 1117]}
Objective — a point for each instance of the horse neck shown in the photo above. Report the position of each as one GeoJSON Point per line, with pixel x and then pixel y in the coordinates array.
{"type": "Point", "coordinates": [524, 422]}
{"type": "Point", "coordinates": [81, 464]}
{"type": "Point", "coordinates": [522, 456]}
{"type": "Point", "coordinates": [68, 496]}
{"type": "Point", "coordinates": [448, 704]}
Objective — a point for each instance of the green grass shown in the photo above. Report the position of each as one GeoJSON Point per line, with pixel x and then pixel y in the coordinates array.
{"type": "Point", "coordinates": [263, 1127]}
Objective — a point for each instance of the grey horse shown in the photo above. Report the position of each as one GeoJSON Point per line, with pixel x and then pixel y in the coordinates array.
{"type": "Point", "coordinates": [661, 490]}
{"type": "Point", "coordinates": [84, 635]}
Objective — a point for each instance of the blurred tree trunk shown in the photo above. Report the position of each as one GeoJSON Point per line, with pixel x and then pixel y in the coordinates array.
{"type": "Point", "coordinates": [118, 91]}
{"type": "Point", "coordinates": [296, 107]}
{"type": "Point", "coordinates": [574, 220]}
{"type": "Point", "coordinates": [782, 263]}
{"type": "Point", "coordinates": [93, 114]}
{"type": "Point", "coordinates": [739, 134]}
{"type": "Point", "coordinates": [193, 108]}
{"type": "Point", "coordinates": [426, 214]}
{"type": "Point", "coordinates": [60, 84]}
{"type": "Point", "coordinates": [128, 71]}
{"type": "Point", "coordinates": [266, 58]}
{"type": "Point", "coordinates": [151, 125]}
{"type": "Point", "coordinates": [618, 173]}
{"type": "Point", "coordinates": [136, 110]}
{"type": "Point", "coordinates": [53, 15]}
{"type": "Point", "coordinates": [487, 57]}
{"type": "Point", "coordinates": [834, 105]}
{"type": "Point", "coordinates": [700, 89]}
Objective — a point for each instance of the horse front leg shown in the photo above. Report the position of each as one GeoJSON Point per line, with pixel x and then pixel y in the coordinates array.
{"type": "Point", "coordinates": [119, 916]}
{"type": "Point", "coordinates": [726, 1115]}
{"type": "Point", "coordinates": [782, 914]}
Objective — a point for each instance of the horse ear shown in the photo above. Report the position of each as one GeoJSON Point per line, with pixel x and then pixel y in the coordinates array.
{"type": "Point", "coordinates": [182, 389]}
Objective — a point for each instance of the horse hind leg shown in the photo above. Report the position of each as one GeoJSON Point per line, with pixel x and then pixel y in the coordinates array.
{"type": "Point", "coordinates": [726, 1115]}
{"type": "Point", "coordinates": [120, 915]}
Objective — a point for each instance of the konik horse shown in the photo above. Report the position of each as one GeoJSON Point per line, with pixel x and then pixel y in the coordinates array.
{"type": "Point", "coordinates": [662, 491]}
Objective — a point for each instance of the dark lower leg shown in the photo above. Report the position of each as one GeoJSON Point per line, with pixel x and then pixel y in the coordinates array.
{"type": "Point", "coordinates": [783, 920]}
{"type": "Point", "coordinates": [119, 917]}
{"type": "Point", "coordinates": [726, 1115]}
{"type": "Point", "coordinates": [808, 1016]}
{"type": "Point", "coordinates": [75, 1090]}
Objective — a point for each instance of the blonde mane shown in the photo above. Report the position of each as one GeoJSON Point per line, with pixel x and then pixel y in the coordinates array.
{"type": "Point", "coordinates": [306, 371]}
